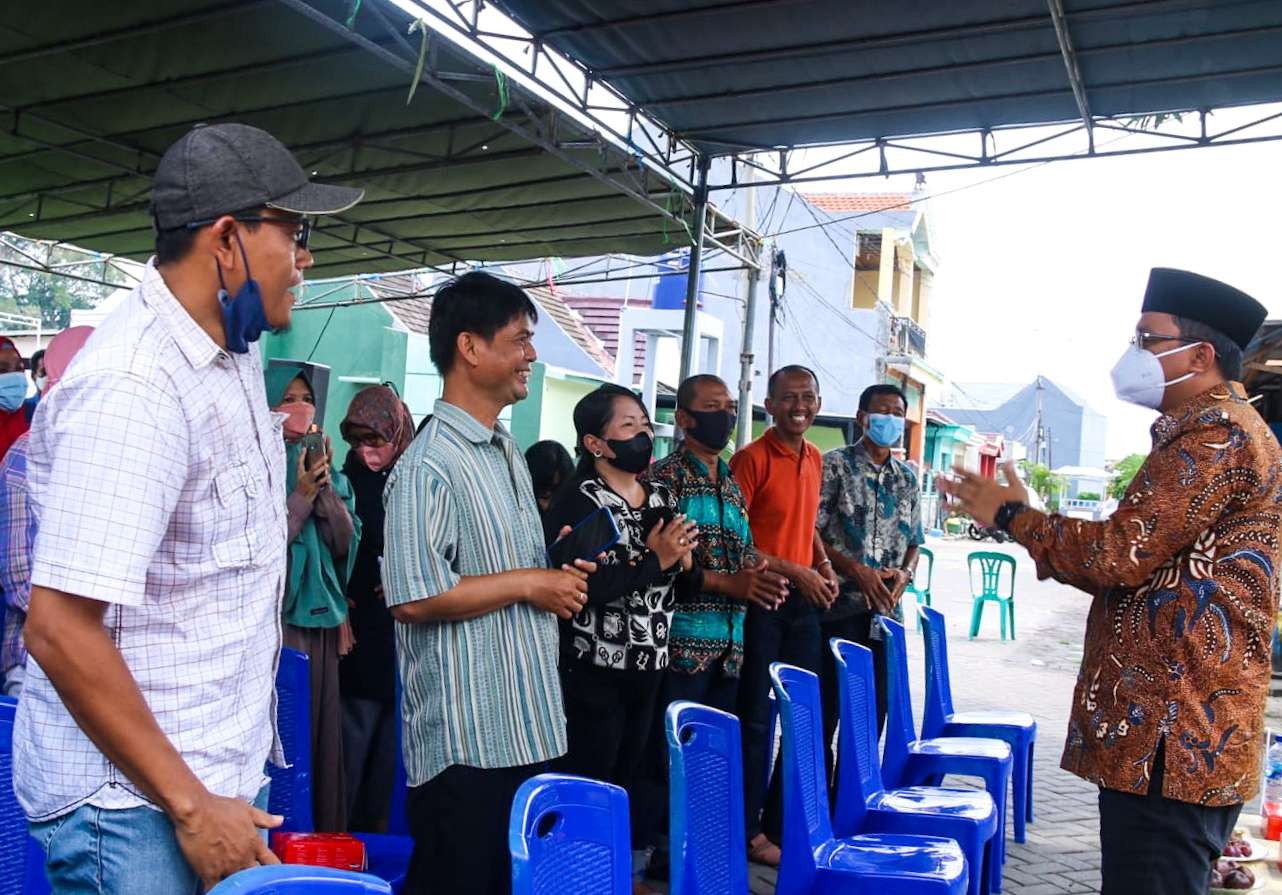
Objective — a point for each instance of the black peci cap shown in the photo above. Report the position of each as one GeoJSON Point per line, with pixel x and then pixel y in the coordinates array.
{"type": "Point", "coordinates": [219, 169]}
{"type": "Point", "coordinates": [1195, 297]}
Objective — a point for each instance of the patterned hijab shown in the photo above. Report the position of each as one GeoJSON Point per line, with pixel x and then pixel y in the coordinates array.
{"type": "Point", "coordinates": [378, 409]}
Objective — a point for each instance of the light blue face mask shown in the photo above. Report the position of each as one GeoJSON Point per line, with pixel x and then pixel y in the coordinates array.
{"type": "Point", "coordinates": [885, 429]}
{"type": "Point", "coordinates": [13, 391]}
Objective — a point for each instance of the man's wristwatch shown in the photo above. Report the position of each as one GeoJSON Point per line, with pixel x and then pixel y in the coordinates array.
{"type": "Point", "coordinates": [1006, 514]}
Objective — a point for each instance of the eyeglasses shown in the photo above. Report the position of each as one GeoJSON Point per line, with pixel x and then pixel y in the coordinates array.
{"type": "Point", "coordinates": [373, 439]}
{"type": "Point", "coordinates": [1143, 339]}
{"type": "Point", "coordinates": [302, 233]}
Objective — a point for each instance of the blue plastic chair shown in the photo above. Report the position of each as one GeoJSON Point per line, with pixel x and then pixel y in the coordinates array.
{"type": "Point", "coordinates": [22, 860]}
{"type": "Point", "coordinates": [298, 879]}
{"type": "Point", "coordinates": [816, 863]}
{"type": "Point", "coordinates": [291, 791]}
{"type": "Point", "coordinates": [570, 834]}
{"type": "Point", "coordinates": [705, 769]}
{"type": "Point", "coordinates": [864, 806]}
{"type": "Point", "coordinates": [1017, 729]}
{"type": "Point", "coordinates": [910, 761]}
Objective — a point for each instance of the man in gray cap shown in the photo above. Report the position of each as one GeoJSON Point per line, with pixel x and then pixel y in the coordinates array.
{"type": "Point", "coordinates": [1168, 713]}
{"type": "Point", "coordinates": [157, 474]}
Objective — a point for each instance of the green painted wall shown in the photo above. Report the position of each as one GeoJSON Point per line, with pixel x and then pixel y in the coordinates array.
{"type": "Point", "coordinates": [357, 341]}
{"type": "Point", "coordinates": [549, 410]}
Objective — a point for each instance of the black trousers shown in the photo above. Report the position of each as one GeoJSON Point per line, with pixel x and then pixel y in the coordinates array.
{"type": "Point", "coordinates": [855, 628]}
{"type": "Point", "coordinates": [459, 822]}
{"type": "Point", "coordinates": [1152, 845]}
{"type": "Point", "coordinates": [711, 688]}
{"type": "Point", "coordinates": [609, 717]}
{"type": "Point", "coordinates": [791, 635]}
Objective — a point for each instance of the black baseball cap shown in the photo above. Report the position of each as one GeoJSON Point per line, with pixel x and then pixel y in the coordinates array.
{"type": "Point", "coordinates": [218, 169]}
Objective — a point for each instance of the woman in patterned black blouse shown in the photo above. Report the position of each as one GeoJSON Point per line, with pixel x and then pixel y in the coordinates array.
{"type": "Point", "coordinates": [613, 651]}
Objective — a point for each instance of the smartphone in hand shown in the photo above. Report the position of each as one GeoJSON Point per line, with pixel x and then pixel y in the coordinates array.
{"type": "Point", "coordinates": [314, 447]}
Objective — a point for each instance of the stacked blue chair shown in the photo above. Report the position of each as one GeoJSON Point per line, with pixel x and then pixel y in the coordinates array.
{"type": "Point", "coordinates": [1017, 729]}
{"type": "Point", "coordinates": [814, 862]}
{"type": "Point", "coordinates": [297, 879]}
{"type": "Point", "coordinates": [22, 861]}
{"type": "Point", "coordinates": [570, 834]}
{"type": "Point", "coordinates": [863, 805]}
{"type": "Point", "coordinates": [909, 761]}
{"type": "Point", "coordinates": [291, 791]}
{"type": "Point", "coordinates": [705, 769]}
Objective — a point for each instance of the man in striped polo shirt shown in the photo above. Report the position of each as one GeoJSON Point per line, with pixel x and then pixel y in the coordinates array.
{"type": "Point", "coordinates": [475, 605]}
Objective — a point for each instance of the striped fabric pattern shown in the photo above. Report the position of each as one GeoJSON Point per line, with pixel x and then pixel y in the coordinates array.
{"type": "Point", "coordinates": [482, 692]}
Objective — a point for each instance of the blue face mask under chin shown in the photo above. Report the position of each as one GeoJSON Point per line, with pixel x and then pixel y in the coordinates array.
{"type": "Point", "coordinates": [244, 318]}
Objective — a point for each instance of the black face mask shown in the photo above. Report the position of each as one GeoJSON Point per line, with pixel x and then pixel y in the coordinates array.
{"type": "Point", "coordinates": [712, 428]}
{"type": "Point", "coordinates": [634, 454]}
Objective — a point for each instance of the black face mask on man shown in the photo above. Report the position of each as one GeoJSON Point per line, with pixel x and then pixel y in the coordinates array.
{"type": "Point", "coordinates": [712, 428]}
{"type": "Point", "coordinates": [632, 455]}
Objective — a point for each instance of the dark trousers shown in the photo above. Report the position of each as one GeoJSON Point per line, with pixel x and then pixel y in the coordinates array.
{"type": "Point", "coordinates": [369, 756]}
{"type": "Point", "coordinates": [609, 719]}
{"type": "Point", "coordinates": [1152, 844]}
{"type": "Point", "coordinates": [459, 822]}
{"type": "Point", "coordinates": [855, 628]}
{"type": "Point", "coordinates": [788, 635]}
{"type": "Point", "coordinates": [711, 688]}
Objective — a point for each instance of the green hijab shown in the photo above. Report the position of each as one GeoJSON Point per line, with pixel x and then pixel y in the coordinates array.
{"type": "Point", "coordinates": [316, 593]}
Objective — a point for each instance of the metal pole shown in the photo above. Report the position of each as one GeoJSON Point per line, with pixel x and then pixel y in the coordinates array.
{"type": "Point", "coordinates": [744, 435]}
{"type": "Point", "coordinates": [689, 339]}
{"type": "Point", "coordinates": [774, 311]}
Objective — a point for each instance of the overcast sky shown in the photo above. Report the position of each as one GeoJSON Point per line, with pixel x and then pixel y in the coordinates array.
{"type": "Point", "coordinates": [1043, 271]}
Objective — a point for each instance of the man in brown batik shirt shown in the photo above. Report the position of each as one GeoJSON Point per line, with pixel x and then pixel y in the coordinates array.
{"type": "Point", "coordinates": [1168, 710]}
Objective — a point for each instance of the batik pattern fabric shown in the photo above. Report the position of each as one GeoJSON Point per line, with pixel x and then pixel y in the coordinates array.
{"type": "Point", "coordinates": [871, 513]}
{"type": "Point", "coordinates": [1184, 584]}
{"type": "Point", "coordinates": [707, 628]}
{"type": "Point", "coordinates": [626, 621]}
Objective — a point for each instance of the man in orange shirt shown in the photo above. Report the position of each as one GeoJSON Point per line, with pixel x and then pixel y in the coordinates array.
{"type": "Point", "coordinates": [780, 474]}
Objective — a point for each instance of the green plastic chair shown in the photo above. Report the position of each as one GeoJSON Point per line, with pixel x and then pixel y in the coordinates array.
{"type": "Point", "coordinates": [920, 588]}
{"type": "Point", "coordinates": [990, 566]}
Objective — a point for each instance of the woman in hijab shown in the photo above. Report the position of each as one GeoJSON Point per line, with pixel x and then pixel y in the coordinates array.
{"type": "Point", "coordinates": [378, 428]}
{"type": "Point", "coordinates": [323, 539]}
{"type": "Point", "coordinates": [18, 522]}
{"type": "Point", "coordinates": [16, 409]}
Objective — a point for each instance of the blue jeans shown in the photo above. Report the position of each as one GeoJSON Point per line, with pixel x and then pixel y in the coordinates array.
{"type": "Point", "coordinates": [131, 851]}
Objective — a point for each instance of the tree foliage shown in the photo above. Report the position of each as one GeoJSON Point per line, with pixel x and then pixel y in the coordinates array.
{"type": "Point", "coordinates": [51, 297]}
{"type": "Point", "coordinates": [1125, 471]}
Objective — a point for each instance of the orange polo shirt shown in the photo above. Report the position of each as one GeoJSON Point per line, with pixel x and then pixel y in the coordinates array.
{"type": "Point", "coordinates": [781, 491]}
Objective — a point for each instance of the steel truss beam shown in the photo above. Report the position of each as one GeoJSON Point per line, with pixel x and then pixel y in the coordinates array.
{"type": "Point", "coordinates": [74, 263]}
{"type": "Point", "coordinates": [1025, 145]}
{"type": "Point", "coordinates": [538, 127]}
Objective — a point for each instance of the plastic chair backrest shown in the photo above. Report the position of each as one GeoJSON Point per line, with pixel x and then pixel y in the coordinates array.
{"type": "Point", "coordinates": [858, 765]}
{"type": "Point", "coordinates": [806, 823]}
{"type": "Point", "coordinates": [291, 791]}
{"type": "Point", "coordinates": [298, 879]}
{"type": "Point", "coordinates": [900, 732]}
{"type": "Point", "coordinates": [928, 557]}
{"type": "Point", "coordinates": [570, 834]}
{"type": "Point", "coordinates": [705, 760]}
{"type": "Point", "coordinates": [939, 688]}
{"type": "Point", "coordinates": [13, 824]}
{"type": "Point", "coordinates": [990, 567]}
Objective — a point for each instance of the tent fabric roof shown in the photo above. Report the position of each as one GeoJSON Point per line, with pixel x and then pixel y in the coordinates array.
{"type": "Point", "coordinates": [732, 75]}
{"type": "Point", "coordinates": [94, 92]}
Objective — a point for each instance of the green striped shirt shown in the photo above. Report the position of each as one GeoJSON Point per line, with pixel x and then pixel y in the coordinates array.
{"type": "Point", "coordinates": [482, 692]}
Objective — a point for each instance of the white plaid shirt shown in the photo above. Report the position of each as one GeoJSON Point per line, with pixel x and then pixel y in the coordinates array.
{"type": "Point", "coordinates": [156, 470]}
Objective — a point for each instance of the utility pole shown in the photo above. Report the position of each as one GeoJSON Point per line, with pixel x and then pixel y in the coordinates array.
{"type": "Point", "coordinates": [1041, 427]}
{"type": "Point", "coordinates": [689, 330]}
{"type": "Point", "coordinates": [778, 262]}
{"type": "Point", "coordinates": [746, 355]}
